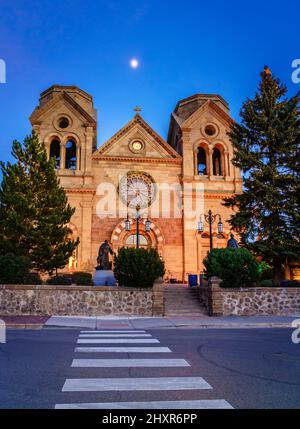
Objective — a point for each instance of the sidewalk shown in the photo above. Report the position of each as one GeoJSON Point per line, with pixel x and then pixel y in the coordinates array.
{"type": "Point", "coordinates": [135, 322]}
{"type": "Point", "coordinates": [231, 322]}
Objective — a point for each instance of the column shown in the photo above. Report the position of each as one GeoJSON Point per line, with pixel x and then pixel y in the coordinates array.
{"type": "Point", "coordinates": [62, 156]}
{"type": "Point", "coordinates": [210, 163]}
{"type": "Point", "coordinates": [196, 161]}
{"type": "Point", "coordinates": [225, 163]}
{"type": "Point", "coordinates": [87, 150]}
{"type": "Point", "coordinates": [86, 233]}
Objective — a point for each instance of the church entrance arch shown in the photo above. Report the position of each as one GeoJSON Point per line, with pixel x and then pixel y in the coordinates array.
{"type": "Point", "coordinates": [147, 239]}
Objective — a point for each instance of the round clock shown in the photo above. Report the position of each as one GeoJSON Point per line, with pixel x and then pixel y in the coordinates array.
{"type": "Point", "coordinates": [137, 189]}
{"type": "Point", "coordinates": [137, 146]}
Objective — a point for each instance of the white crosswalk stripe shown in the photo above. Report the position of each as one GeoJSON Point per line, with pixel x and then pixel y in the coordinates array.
{"type": "Point", "coordinates": [113, 332]}
{"type": "Point", "coordinates": [123, 350]}
{"type": "Point", "coordinates": [115, 335]}
{"type": "Point", "coordinates": [157, 405]}
{"type": "Point", "coordinates": [116, 341]}
{"type": "Point", "coordinates": [133, 384]}
{"type": "Point", "coordinates": [129, 363]}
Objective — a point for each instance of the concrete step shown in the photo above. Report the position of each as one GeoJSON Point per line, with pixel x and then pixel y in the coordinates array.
{"type": "Point", "coordinates": [182, 301]}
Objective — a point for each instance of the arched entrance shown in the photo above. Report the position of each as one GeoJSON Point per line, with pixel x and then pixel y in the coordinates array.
{"type": "Point", "coordinates": [131, 240]}
{"type": "Point", "coordinates": [147, 239]}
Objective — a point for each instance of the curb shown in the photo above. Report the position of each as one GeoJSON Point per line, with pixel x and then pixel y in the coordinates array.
{"type": "Point", "coordinates": [237, 326]}
{"type": "Point", "coordinates": [24, 326]}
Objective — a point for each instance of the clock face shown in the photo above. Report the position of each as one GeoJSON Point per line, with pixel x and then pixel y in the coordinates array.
{"type": "Point", "coordinates": [137, 189]}
{"type": "Point", "coordinates": [137, 146]}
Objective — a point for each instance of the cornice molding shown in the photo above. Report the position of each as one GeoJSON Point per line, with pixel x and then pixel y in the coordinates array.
{"type": "Point", "coordinates": [176, 161]}
{"type": "Point", "coordinates": [80, 191]}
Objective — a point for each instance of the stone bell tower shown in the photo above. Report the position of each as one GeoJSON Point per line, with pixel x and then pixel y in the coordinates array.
{"type": "Point", "coordinates": [66, 123]}
{"type": "Point", "coordinates": [198, 131]}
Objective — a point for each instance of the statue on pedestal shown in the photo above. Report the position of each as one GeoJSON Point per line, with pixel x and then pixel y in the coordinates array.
{"type": "Point", "coordinates": [232, 243]}
{"type": "Point", "coordinates": [103, 256]}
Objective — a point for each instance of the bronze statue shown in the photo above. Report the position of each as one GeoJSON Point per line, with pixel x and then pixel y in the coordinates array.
{"type": "Point", "coordinates": [232, 243]}
{"type": "Point", "coordinates": [103, 256]}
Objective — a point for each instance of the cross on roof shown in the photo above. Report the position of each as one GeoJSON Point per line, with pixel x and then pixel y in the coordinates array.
{"type": "Point", "coordinates": [137, 109]}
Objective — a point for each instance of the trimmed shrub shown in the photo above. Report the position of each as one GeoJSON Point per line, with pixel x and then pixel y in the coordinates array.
{"type": "Point", "coordinates": [236, 267]}
{"type": "Point", "coordinates": [138, 267]}
{"type": "Point", "coordinates": [14, 269]}
{"type": "Point", "coordinates": [81, 278]}
{"type": "Point", "coordinates": [266, 283]}
{"type": "Point", "coordinates": [33, 279]}
{"type": "Point", "coordinates": [265, 270]}
{"type": "Point", "coordinates": [59, 281]}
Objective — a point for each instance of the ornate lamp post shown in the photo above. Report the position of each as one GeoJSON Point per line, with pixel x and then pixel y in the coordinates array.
{"type": "Point", "coordinates": [210, 219]}
{"type": "Point", "coordinates": [137, 218]}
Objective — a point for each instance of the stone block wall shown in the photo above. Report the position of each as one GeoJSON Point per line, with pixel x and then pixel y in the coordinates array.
{"type": "Point", "coordinates": [261, 301]}
{"type": "Point", "coordinates": [249, 301]}
{"type": "Point", "coordinates": [80, 301]}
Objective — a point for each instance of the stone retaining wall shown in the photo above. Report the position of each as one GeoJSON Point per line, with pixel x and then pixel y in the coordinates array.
{"type": "Point", "coordinates": [80, 301]}
{"type": "Point", "coordinates": [250, 301]}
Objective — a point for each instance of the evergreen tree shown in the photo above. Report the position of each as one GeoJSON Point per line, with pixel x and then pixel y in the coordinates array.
{"type": "Point", "coordinates": [266, 148]}
{"type": "Point", "coordinates": [34, 211]}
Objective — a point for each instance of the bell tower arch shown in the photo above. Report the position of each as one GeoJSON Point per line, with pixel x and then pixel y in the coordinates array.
{"type": "Point", "coordinates": [66, 122]}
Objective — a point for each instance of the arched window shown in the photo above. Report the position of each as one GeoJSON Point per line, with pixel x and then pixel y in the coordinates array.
{"type": "Point", "coordinates": [201, 161]}
{"type": "Point", "coordinates": [131, 241]}
{"type": "Point", "coordinates": [55, 152]}
{"type": "Point", "coordinates": [71, 155]}
{"type": "Point", "coordinates": [216, 158]}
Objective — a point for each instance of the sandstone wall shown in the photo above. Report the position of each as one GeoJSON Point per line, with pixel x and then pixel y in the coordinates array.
{"type": "Point", "coordinates": [80, 301]}
{"type": "Point", "coordinates": [262, 301]}
{"type": "Point", "coordinates": [250, 301]}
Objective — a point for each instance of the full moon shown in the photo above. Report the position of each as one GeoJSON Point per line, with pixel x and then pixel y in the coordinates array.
{"type": "Point", "coordinates": [134, 63]}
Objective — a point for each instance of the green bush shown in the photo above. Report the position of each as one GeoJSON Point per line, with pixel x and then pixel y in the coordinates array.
{"type": "Point", "coordinates": [265, 270]}
{"type": "Point", "coordinates": [266, 283]}
{"type": "Point", "coordinates": [236, 267]}
{"type": "Point", "coordinates": [81, 278]}
{"type": "Point", "coordinates": [33, 279]}
{"type": "Point", "coordinates": [14, 269]}
{"type": "Point", "coordinates": [59, 281]}
{"type": "Point", "coordinates": [138, 267]}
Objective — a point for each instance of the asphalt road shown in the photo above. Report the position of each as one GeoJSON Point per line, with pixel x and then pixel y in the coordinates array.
{"type": "Point", "coordinates": [254, 368]}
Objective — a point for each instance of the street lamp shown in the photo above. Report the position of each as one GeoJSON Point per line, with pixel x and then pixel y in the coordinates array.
{"type": "Point", "coordinates": [137, 218]}
{"type": "Point", "coordinates": [210, 219]}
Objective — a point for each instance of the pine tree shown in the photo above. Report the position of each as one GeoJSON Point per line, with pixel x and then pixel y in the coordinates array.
{"type": "Point", "coordinates": [34, 212]}
{"type": "Point", "coordinates": [266, 148]}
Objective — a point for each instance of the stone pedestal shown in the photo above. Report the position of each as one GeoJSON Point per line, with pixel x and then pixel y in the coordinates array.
{"type": "Point", "coordinates": [158, 308]}
{"type": "Point", "coordinates": [104, 278]}
{"type": "Point", "coordinates": [215, 300]}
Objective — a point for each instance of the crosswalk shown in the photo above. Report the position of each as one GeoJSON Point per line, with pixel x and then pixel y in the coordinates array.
{"type": "Point", "coordinates": [103, 385]}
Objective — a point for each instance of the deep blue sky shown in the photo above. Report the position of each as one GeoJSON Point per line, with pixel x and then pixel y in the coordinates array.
{"type": "Point", "coordinates": [184, 47]}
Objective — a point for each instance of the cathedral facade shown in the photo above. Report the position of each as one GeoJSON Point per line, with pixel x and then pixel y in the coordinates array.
{"type": "Point", "coordinates": [169, 184]}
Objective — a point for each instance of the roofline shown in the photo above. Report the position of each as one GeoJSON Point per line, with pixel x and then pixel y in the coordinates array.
{"type": "Point", "coordinates": [208, 96]}
{"type": "Point", "coordinates": [137, 118]}
{"type": "Point", "coordinates": [66, 88]}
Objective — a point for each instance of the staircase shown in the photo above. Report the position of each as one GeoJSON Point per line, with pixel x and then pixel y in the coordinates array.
{"type": "Point", "coordinates": [182, 300]}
